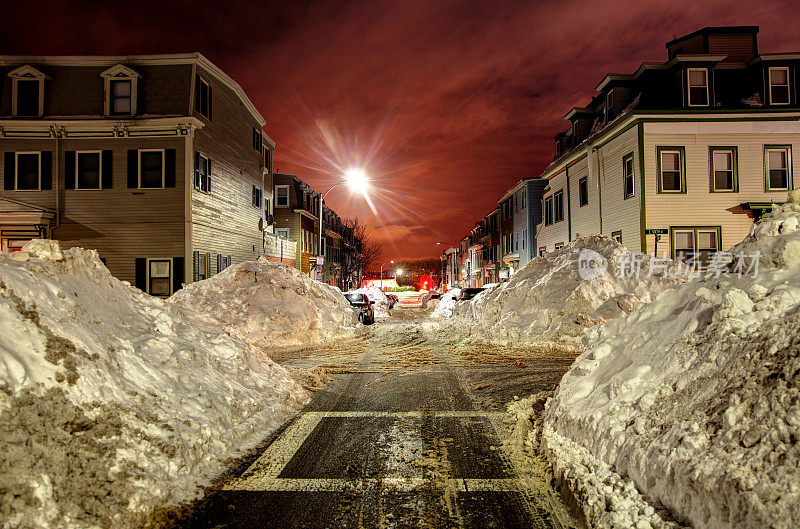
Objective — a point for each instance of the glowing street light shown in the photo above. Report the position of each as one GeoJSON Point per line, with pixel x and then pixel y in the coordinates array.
{"type": "Point", "coordinates": [356, 179]}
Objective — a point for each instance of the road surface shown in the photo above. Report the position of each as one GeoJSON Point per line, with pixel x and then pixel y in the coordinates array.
{"type": "Point", "coordinates": [405, 434]}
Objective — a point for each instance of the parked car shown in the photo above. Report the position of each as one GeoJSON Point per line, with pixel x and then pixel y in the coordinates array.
{"type": "Point", "coordinates": [361, 304]}
{"type": "Point", "coordinates": [392, 299]}
{"type": "Point", "coordinates": [469, 293]}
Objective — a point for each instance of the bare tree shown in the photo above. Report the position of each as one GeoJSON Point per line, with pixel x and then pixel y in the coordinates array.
{"type": "Point", "coordinates": [360, 253]}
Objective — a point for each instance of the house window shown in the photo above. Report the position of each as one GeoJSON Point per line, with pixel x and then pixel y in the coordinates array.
{"type": "Point", "coordinates": [282, 232]}
{"type": "Point", "coordinates": [202, 266]}
{"type": "Point", "coordinates": [723, 169]}
{"type": "Point", "coordinates": [256, 198]}
{"type": "Point", "coordinates": [524, 236]}
{"type": "Point", "coordinates": [698, 86]}
{"type": "Point", "coordinates": [583, 191]}
{"type": "Point", "coordinates": [617, 235]}
{"type": "Point", "coordinates": [202, 170]}
{"type": "Point", "coordinates": [559, 245]}
{"type": "Point", "coordinates": [777, 160]}
{"type": "Point", "coordinates": [695, 246]}
{"type": "Point", "coordinates": [159, 279]}
{"type": "Point", "coordinates": [202, 97]}
{"type": "Point", "coordinates": [627, 175]}
{"type": "Point", "coordinates": [120, 89]}
{"type": "Point", "coordinates": [558, 206]}
{"type": "Point", "coordinates": [88, 170]}
{"type": "Point", "coordinates": [542, 251]}
{"type": "Point", "coordinates": [267, 209]}
{"type": "Point", "coordinates": [257, 139]}
{"type": "Point", "coordinates": [28, 171]}
{"type": "Point", "coordinates": [281, 196]}
{"type": "Point", "coordinates": [779, 86]}
{"type": "Point", "coordinates": [548, 211]}
{"type": "Point", "coordinates": [27, 97]}
{"type": "Point", "coordinates": [151, 169]}
{"type": "Point", "coordinates": [121, 97]}
{"type": "Point", "coordinates": [670, 170]}
{"type": "Point", "coordinates": [610, 105]}
{"type": "Point", "coordinates": [523, 198]}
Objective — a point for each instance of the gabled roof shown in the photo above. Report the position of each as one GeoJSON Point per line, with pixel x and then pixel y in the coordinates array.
{"type": "Point", "coordinates": [120, 70]}
{"type": "Point", "coordinates": [714, 30]}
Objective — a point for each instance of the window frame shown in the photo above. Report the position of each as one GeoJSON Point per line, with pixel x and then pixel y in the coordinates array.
{"type": "Point", "coordinates": [199, 96]}
{"type": "Point", "coordinates": [559, 245]}
{"type": "Point", "coordinates": [207, 179]}
{"type": "Point", "coordinates": [171, 274]}
{"type": "Point", "coordinates": [99, 154]}
{"type": "Point", "coordinates": [632, 176]}
{"type": "Point", "coordinates": [681, 150]}
{"type": "Point", "coordinates": [163, 168]}
{"type": "Point", "coordinates": [559, 193]}
{"type": "Point", "coordinates": [277, 196]}
{"type": "Point", "coordinates": [689, 87]}
{"type": "Point", "coordinates": [788, 85]}
{"type": "Point", "coordinates": [712, 149]}
{"type": "Point", "coordinates": [279, 231]}
{"type": "Point", "coordinates": [257, 198]}
{"type": "Point", "coordinates": [696, 230]}
{"type": "Point", "coordinates": [26, 73]}
{"type": "Point", "coordinates": [583, 185]}
{"type": "Point", "coordinates": [617, 234]}
{"type": "Point", "coordinates": [542, 251]}
{"type": "Point", "coordinates": [119, 72]}
{"type": "Point", "coordinates": [789, 176]}
{"type": "Point", "coordinates": [547, 208]}
{"type": "Point", "coordinates": [16, 170]}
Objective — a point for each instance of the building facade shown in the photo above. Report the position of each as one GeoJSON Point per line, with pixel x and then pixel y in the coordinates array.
{"type": "Point", "coordinates": [160, 163]}
{"type": "Point", "coordinates": [681, 156]}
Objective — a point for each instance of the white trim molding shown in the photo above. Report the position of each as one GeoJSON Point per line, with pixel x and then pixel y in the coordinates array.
{"type": "Point", "coordinates": [119, 72]}
{"type": "Point", "coordinates": [26, 73]}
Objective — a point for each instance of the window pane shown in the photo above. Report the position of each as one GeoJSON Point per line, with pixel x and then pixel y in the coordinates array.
{"type": "Point", "coordinates": [152, 174]}
{"type": "Point", "coordinates": [684, 240]}
{"type": "Point", "coordinates": [723, 160]}
{"type": "Point", "coordinates": [121, 88]}
{"type": "Point", "coordinates": [670, 161]}
{"type": "Point", "coordinates": [27, 98]}
{"type": "Point", "coordinates": [698, 96]}
{"type": "Point", "coordinates": [671, 181]}
{"type": "Point", "coordinates": [706, 240]}
{"type": "Point", "coordinates": [778, 179]}
{"type": "Point", "coordinates": [88, 170]}
{"type": "Point", "coordinates": [697, 78]}
{"type": "Point", "coordinates": [121, 105]}
{"type": "Point", "coordinates": [159, 286]}
{"type": "Point", "coordinates": [27, 171]}
{"type": "Point", "coordinates": [780, 94]}
{"type": "Point", "coordinates": [777, 159]}
{"type": "Point", "coordinates": [121, 97]}
{"type": "Point", "coordinates": [723, 180]}
{"type": "Point", "coordinates": [159, 268]}
{"type": "Point", "coordinates": [778, 76]}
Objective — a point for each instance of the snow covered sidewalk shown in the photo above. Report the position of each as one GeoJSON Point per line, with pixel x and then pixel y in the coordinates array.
{"type": "Point", "coordinates": [113, 403]}
{"type": "Point", "coordinates": [691, 402]}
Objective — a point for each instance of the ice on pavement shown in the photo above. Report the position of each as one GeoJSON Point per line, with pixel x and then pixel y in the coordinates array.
{"type": "Point", "coordinates": [268, 305]}
{"type": "Point", "coordinates": [548, 302]}
{"type": "Point", "coordinates": [691, 402]}
{"type": "Point", "coordinates": [113, 403]}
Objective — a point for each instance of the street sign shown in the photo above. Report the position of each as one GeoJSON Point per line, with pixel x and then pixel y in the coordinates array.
{"type": "Point", "coordinates": [656, 231]}
{"type": "Point", "coordinates": [320, 259]}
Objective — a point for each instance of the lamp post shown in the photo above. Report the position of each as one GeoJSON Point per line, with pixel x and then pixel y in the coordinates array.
{"type": "Point", "coordinates": [455, 256]}
{"type": "Point", "coordinates": [390, 262]}
{"type": "Point", "coordinates": [356, 179]}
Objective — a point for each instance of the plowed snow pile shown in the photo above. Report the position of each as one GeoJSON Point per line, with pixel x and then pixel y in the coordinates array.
{"type": "Point", "coordinates": [547, 301]}
{"type": "Point", "coordinates": [381, 306]}
{"type": "Point", "coordinates": [692, 402]}
{"type": "Point", "coordinates": [446, 305]}
{"type": "Point", "coordinates": [113, 404]}
{"type": "Point", "coordinates": [268, 305]}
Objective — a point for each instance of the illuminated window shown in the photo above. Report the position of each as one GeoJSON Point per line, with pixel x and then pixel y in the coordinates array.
{"type": "Point", "coordinates": [698, 86]}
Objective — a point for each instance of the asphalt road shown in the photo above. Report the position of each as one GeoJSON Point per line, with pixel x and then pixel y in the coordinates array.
{"type": "Point", "coordinates": [405, 434]}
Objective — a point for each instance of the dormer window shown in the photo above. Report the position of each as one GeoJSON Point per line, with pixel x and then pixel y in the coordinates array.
{"type": "Point", "coordinates": [610, 105]}
{"type": "Point", "coordinates": [27, 92]}
{"type": "Point", "coordinates": [698, 87]}
{"type": "Point", "coordinates": [779, 86]}
{"type": "Point", "coordinates": [120, 90]}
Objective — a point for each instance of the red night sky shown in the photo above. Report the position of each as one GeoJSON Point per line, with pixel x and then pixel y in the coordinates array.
{"type": "Point", "coordinates": [447, 104]}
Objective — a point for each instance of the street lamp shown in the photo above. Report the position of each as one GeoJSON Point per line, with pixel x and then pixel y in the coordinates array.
{"type": "Point", "coordinates": [356, 180]}
{"type": "Point", "coordinates": [392, 262]}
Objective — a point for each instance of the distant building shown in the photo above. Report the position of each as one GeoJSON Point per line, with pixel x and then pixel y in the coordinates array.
{"type": "Point", "coordinates": [520, 209]}
{"type": "Point", "coordinates": [159, 162]}
{"type": "Point", "coordinates": [682, 155]}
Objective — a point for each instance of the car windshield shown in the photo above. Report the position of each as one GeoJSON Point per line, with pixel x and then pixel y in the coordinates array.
{"type": "Point", "coordinates": [356, 299]}
{"type": "Point", "coordinates": [469, 293]}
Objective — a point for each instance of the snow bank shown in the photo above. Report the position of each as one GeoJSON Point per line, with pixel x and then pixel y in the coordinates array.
{"type": "Point", "coordinates": [694, 398]}
{"type": "Point", "coordinates": [548, 301]}
{"type": "Point", "coordinates": [446, 305]}
{"type": "Point", "coordinates": [113, 404]}
{"type": "Point", "coordinates": [268, 305]}
{"type": "Point", "coordinates": [377, 295]}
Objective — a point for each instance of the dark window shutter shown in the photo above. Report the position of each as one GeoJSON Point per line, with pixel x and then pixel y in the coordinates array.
{"type": "Point", "coordinates": [133, 168]}
{"type": "Point", "coordinates": [197, 87]}
{"type": "Point", "coordinates": [141, 274]}
{"type": "Point", "coordinates": [219, 263]}
{"type": "Point", "coordinates": [196, 169]}
{"type": "Point", "coordinates": [69, 169]}
{"type": "Point", "coordinates": [47, 170]}
{"type": "Point", "coordinates": [208, 175]}
{"type": "Point", "coordinates": [169, 167]}
{"type": "Point", "coordinates": [177, 274]}
{"type": "Point", "coordinates": [195, 266]}
{"type": "Point", "coordinates": [107, 161]}
{"type": "Point", "coordinates": [8, 171]}
{"type": "Point", "coordinates": [208, 265]}
{"type": "Point", "coordinates": [210, 100]}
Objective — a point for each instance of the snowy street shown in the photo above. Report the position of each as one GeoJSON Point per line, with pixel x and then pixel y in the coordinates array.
{"type": "Point", "coordinates": [406, 433]}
